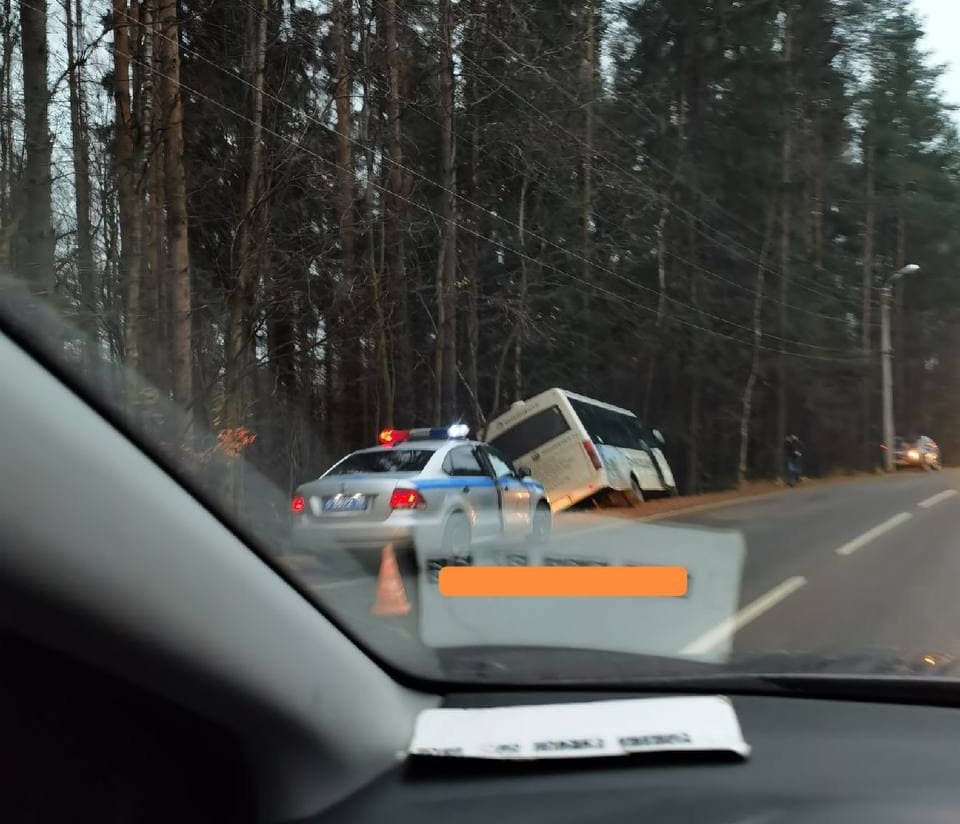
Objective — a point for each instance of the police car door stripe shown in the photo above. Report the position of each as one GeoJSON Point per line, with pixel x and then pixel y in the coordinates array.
{"type": "Point", "coordinates": [452, 483]}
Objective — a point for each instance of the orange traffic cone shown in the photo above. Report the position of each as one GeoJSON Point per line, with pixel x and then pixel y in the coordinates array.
{"type": "Point", "coordinates": [391, 598]}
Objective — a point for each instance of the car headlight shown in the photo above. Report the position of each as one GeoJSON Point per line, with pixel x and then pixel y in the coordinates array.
{"type": "Point", "coordinates": [913, 455]}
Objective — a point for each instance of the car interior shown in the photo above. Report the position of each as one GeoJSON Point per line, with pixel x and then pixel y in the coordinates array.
{"type": "Point", "coordinates": [157, 666]}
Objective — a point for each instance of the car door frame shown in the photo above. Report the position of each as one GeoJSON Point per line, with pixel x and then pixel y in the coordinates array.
{"type": "Point", "coordinates": [514, 497]}
{"type": "Point", "coordinates": [484, 525]}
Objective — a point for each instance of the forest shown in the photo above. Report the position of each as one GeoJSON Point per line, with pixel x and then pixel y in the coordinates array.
{"type": "Point", "coordinates": [305, 220]}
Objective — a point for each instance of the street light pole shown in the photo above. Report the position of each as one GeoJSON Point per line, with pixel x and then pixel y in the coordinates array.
{"type": "Point", "coordinates": [886, 356]}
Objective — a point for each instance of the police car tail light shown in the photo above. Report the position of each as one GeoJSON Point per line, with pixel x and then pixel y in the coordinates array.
{"type": "Point", "coordinates": [406, 498]}
{"type": "Point", "coordinates": [390, 437]}
{"type": "Point", "coordinates": [592, 453]}
{"type": "Point", "coordinates": [298, 504]}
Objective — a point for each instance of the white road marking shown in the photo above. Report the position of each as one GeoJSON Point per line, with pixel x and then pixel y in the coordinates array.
{"type": "Point", "coordinates": [936, 499]}
{"type": "Point", "coordinates": [872, 534]}
{"type": "Point", "coordinates": [749, 613]}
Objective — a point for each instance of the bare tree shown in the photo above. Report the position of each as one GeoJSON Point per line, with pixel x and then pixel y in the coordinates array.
{"type": "Point", "coordinates": [446, 367]}
{"type": "Point", "coordinates": [746, 407]}
{"type": "Point", "coordinates": [130, 212]}
{"type": "Point", "coordinates": [35, 252]}
{"type": "Point", "coordinates": [786, 182]}
{"type": "Point", "coordinates": [81, 170]}
{"type": "Point", "coordinates": [241, 300]}
{"type": "Point", "coordinates": [7, 171]}
{"type": "Point", "coordinates": [178, 248]}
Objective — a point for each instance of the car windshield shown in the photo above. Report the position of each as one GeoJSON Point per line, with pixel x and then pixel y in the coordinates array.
{"type": "Point", "coordinates": [384, 460]}
{"type": "Point", "coordinates": [263, 238]}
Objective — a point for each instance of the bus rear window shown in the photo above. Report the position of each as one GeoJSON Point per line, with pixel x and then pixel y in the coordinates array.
{"type": "Point", "coordinates": [531, 433]}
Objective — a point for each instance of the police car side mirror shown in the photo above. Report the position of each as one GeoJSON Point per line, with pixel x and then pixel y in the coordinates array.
{"type": "Point", "coordinates": [523, 472]}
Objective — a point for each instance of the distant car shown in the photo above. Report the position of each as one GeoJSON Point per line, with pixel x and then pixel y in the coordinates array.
{"type": "Point", "coordinates": [428, 488]}
{"type": "Point", "coordinates": [920, 452]}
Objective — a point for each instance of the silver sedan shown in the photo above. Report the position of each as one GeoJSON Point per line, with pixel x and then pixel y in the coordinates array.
{"type": "Point", "coordinates": [421, 489]}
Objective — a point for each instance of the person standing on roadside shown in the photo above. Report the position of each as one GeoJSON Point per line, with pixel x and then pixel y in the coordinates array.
{"type": "Point", "coordinates": [793, 456]}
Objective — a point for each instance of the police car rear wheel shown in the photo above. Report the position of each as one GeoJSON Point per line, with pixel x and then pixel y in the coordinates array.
{"type": "Point", "coordinates": [456, 536]}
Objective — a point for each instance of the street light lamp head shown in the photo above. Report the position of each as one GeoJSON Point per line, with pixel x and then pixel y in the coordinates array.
{"type": "Point", "coordinates": [909, 269]}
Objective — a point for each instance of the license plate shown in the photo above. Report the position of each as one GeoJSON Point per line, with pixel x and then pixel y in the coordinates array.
{"type": "Point", "coordinates": [345, 503]}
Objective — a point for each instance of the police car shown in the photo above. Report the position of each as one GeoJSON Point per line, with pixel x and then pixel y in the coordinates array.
{"type": "Point", "coordinates": [424, 488]}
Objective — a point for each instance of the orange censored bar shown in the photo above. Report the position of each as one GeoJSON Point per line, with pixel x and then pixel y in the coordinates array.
{"type": "Point", "coordinates": [563, 582]}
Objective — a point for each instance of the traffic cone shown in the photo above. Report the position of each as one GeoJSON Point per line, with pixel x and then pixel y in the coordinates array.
{"type": "Point", "coordinates": [391, 598]}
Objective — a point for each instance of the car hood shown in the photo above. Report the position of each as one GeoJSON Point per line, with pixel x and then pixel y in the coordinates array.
{"type": "Point", "coordinates": [591, 666]}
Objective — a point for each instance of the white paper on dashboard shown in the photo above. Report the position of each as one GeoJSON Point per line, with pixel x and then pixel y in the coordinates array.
{"type": "Point", "coordinates": [581, 730]}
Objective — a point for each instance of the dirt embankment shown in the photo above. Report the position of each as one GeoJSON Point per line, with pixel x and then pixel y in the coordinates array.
{"type": "Point", "coordinates": [750, 490]}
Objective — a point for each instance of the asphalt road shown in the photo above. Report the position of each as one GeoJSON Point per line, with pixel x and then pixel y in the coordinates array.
{"type": "Point", "coordinates": [855, 566]}
{"type": "Point", "coordinates": [852, 566]}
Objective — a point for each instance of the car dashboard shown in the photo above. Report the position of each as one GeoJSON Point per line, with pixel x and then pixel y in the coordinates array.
{"type": "Point", "coordinates": [813, 761]}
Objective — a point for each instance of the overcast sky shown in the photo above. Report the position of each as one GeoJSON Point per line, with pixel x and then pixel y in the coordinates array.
{"type": "Point", "coordinates": [941, 21]}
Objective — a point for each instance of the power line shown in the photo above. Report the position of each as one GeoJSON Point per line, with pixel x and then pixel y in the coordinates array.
{"type": "Point", "coordinates": [695, 218]}
{"type": "Point", "coordinates": [842, 358]}
{"type": "Point", "coordinates": [512, 224]}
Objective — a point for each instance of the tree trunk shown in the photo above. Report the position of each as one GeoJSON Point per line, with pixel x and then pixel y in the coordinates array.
{"type": "Point", "coordinates": [746, 403]}
{"type": "Point", "coordinates": [395, 262]}
{"type": "Point", "coordinates": [588, 81]}
{"type": "Point", "coordinates": [35, 255]}
{"type": "Point", "coordinates": [446, 347]}
{"type": "Point", "coordinates": [7, 171]}
{"type": "Point", "coordinates": [241, 300]}
{"type": "Point", "coordinates": [178, 247]}
{"type": "Point", "coordinates": [351, 356]}
{"type": "Point", "coordinates": [786, 181]}
{"type": "Point", "coordinates": [86, 274]}
{"type": "Point", "coordinates": [869, 220]}
{"type": "Point", "coordinates": [473, 308]}
{"type": "Point", "coordinates": [657, 346]}
{"type": "Point", "coordinates": [819, 185]}
{"type": "Point", "coordinates": [522, 292]}
{"type": "Point", "coordinates": [130, 214]}
{"type": "Point", "coordinates": [385, 397]}
{"type": "Point", "coordinates": [148, 180]}
{"type": "Point", "coordinates": [588, 91]}
{"type": "Point", "coordinates": [901, 396]}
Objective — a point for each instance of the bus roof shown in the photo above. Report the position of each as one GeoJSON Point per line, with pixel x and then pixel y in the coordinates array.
{"type": "Point", "coordinates": [512, 416]}
{"type": "Point", "coordinates": [585, 399]}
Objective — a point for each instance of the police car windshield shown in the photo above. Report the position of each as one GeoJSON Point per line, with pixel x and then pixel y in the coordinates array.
{"type": "Point", "coordinates": [384, 460]}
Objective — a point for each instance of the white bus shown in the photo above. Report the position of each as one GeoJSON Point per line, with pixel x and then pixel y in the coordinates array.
{"type": "Point", "coordinates": [576, 447]}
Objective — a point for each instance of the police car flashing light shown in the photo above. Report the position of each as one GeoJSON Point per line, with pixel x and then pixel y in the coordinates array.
{"type": "Point", "coordinates": [392, 437]}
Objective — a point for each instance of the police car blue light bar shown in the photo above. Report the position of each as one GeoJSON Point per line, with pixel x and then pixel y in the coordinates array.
{"type": "Point", "coordinates": [391, 437]}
